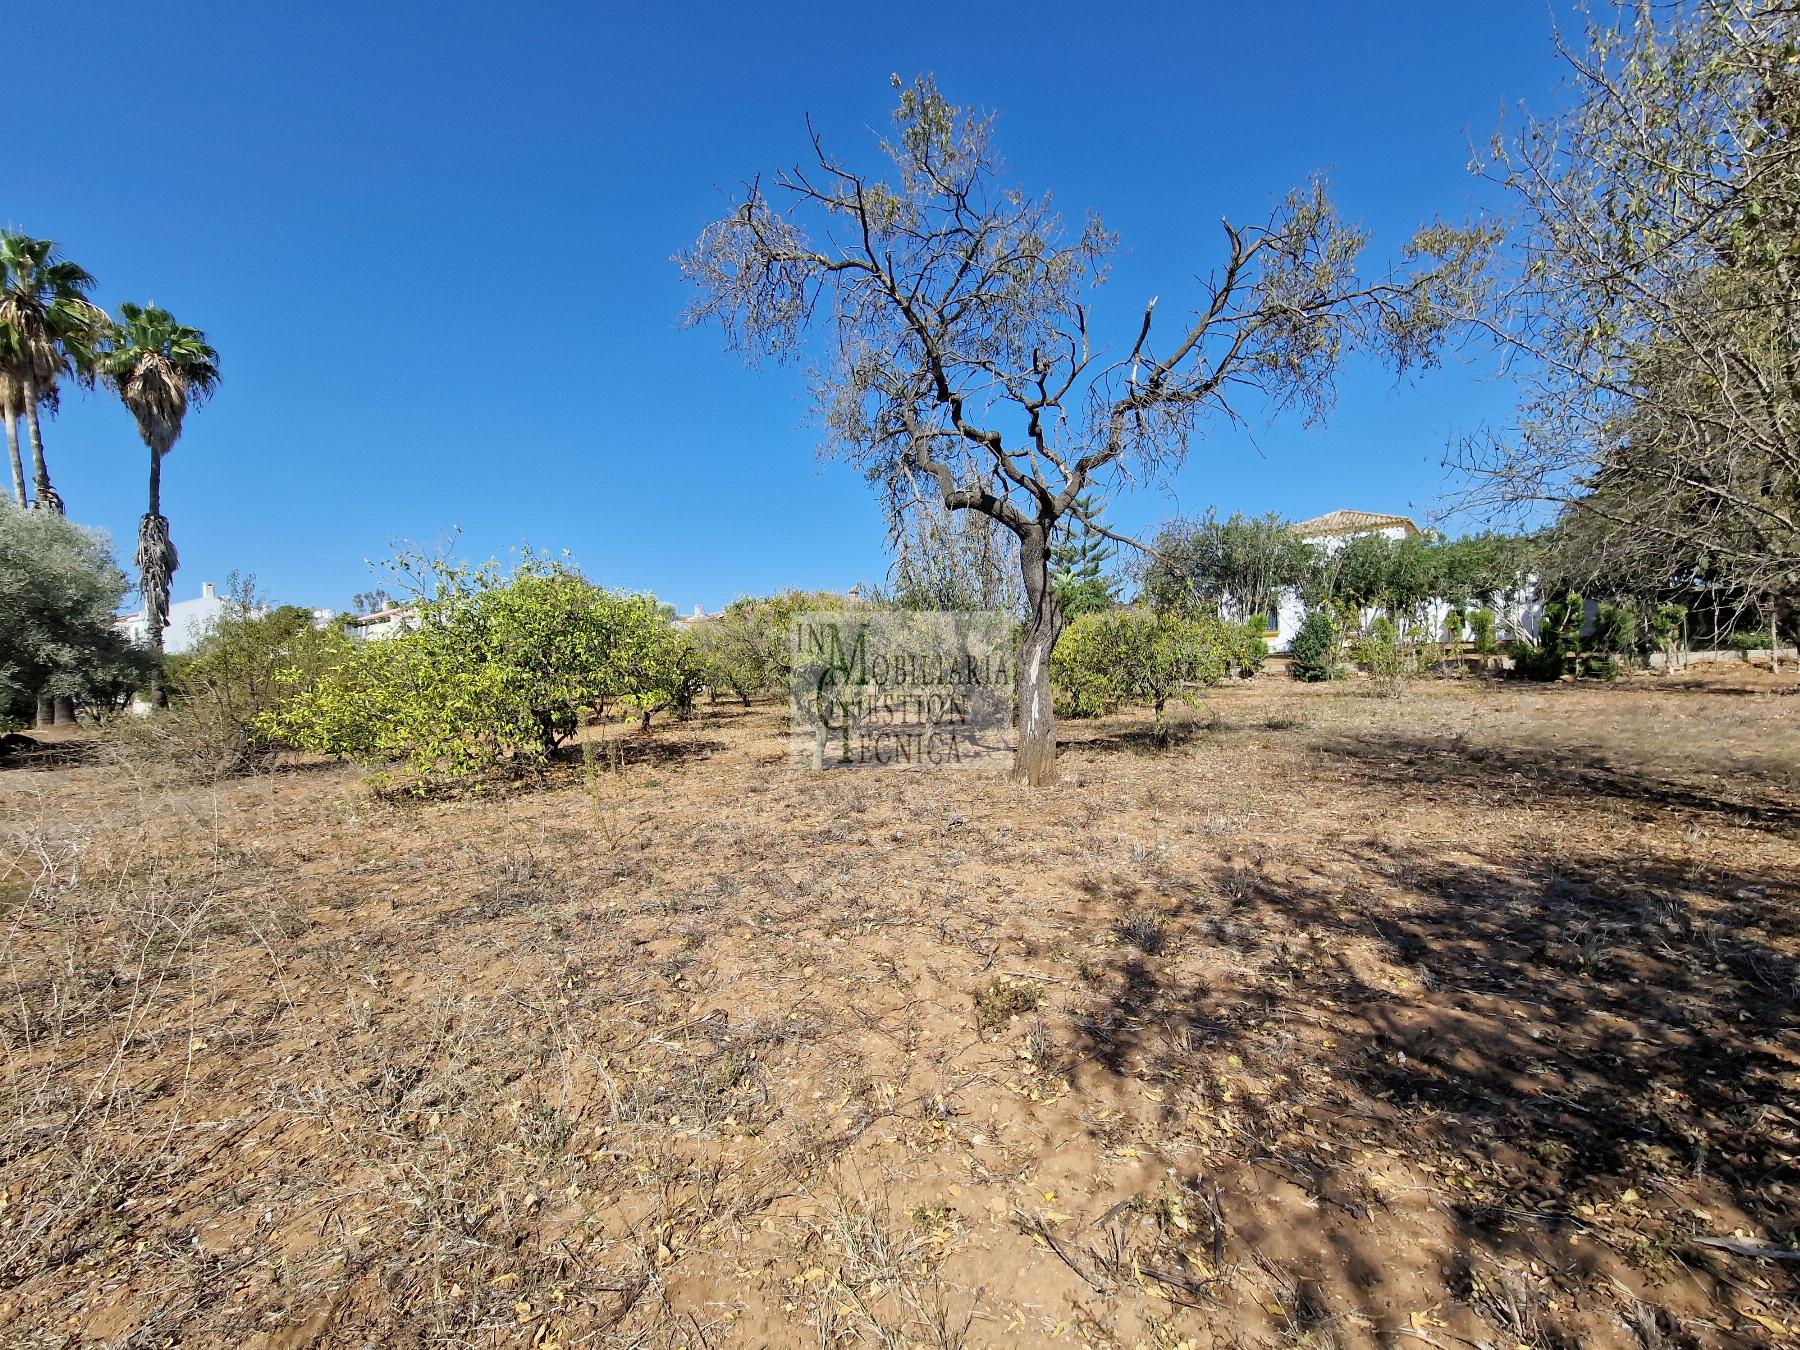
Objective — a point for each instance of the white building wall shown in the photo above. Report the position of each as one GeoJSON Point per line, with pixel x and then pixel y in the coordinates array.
{"type": "Point", "coordinates": [1516, 615]}
{"type": "Point", "coordinates": [189, 621]}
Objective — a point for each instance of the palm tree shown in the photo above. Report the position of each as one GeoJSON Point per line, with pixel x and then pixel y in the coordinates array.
{"type": "Point", "coordinates": [47, 330]}
{"type": "Point", "coordinates": [160, 368]}
{"type": "Point", "coordinates": [12, 395]}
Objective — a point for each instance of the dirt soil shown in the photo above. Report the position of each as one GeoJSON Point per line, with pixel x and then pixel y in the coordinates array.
{"type": "Point", "coordinates": [1466, 1018]}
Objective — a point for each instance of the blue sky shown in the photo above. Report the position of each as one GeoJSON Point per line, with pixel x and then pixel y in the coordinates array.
{"type": "Point", "coordinates": [432, 243]}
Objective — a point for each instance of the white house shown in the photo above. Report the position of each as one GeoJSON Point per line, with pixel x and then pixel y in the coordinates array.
{"type": "Point", "coordinates": [1517, 615]}
{"type": "Point", "coordinates": [188, 621]}
{"type": "Point", "coordinates": [383, 623]}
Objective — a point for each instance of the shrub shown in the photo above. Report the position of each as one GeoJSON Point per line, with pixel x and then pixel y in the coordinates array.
{"type": "Point", "coordinates": [1483, 635]}
{"type": "Point", "coordinates": [1557, 650]}
{"type": "Point", "coordinates": [748, 649]}
{"type": "Point", "coordinates": [494, 674]}
{"type": "Point", "coordinates": [1613, 641]}
{"type": "Point", "coordinates": [1750, 640]}
{"type": "Point", "coordinates": [1106, 658]}
{"type": "Point", "coordinates": [1312, 656]}
{"type": "Point", "coordinates": [1668, 625]}
{"type": "Point", "coordinates": [1378, 653]}
{"type": "Point", "coordinates": [1534, 661]}
{"type": "Point", "coordinates": [1249, 647]}
{"type": "Point", "coordinates": [224, 690]}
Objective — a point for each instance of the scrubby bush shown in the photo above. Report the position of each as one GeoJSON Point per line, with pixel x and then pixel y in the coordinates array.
{"type": "Point", "coordinates": [1613, 642]}
{"type": "Point", "coordinates": [224, 691]}
{"type": "Point", "coordinates": [1249, 647]}
{"type": "Point", "coordinates": [493, 674]}
{"type": "Point", "coordinates": [1668, 625]}
{"type": "Point", "coordinates": [1557, 651]}
{"type": "Point", "coordinates": [1379, 655]}
{"type": "Point", "coordinates": [1483, 635]}
{"type": "Point", "coordinates": [1750, 640]}
{"type": "Point", "coordinates": [748, 650]}
{"type": "Point", "coordinates": [1313, 654]}
{"type": "Point", "coordinates": [726, 662]}
{"type": "Point", "coordinates": [1105, 659]}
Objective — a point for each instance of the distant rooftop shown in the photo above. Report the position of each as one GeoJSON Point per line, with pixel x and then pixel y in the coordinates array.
{"type": "Point", "coordinates": [1351, 522]}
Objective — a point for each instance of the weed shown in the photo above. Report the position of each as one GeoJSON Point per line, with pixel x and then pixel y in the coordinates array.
{"type": "Point", "coordinates": [1143, 930]}
{"type": "Point", "coordinates": [1004, 999]}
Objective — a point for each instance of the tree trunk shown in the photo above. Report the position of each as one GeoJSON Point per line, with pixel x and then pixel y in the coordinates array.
{"type": "Point", "coordinates": [12, 447]}
{"type": "Point", "coordinates": [46, 712]}
{"type": "Point", "coordinates": [44, 496]}
{"type": "Point", "coordinates": [153, 617]}
{"type": "Point", "coordinates": [65, 711]}
{"type": "Point", "coordinates": [1034, 762]}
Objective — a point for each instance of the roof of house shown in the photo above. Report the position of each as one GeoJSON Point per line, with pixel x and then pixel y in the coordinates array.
{"type": "Point", "coordinates": [375, 616]}
{"type": "Point", "coordinates": [1351, 522]}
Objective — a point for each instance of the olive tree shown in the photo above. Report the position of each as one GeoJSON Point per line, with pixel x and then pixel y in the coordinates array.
{"type": "Point", "coordinates": [1237, 567]}
{"type": "Point", "coordinates": [944, 317]}
{"type": "Point", "coordinates": [59, 590]}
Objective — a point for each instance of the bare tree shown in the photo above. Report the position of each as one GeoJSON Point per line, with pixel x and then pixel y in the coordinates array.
{"type": "Point", "coordinates": [1652, 315]}
{"type": "Point", "coordinates": [946, 559]}
{"type": "Point", "coordinates": [956, 355]}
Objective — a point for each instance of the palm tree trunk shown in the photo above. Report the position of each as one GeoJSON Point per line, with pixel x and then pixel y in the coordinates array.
{"type": "Point", "coordinates": [46, 712]}
{"type": "Point", "coordinates": [155, 595]}
{"type": "Point", "coordinates": [43, 495]}
{"type": "Point", "coordinates": [12, 446]}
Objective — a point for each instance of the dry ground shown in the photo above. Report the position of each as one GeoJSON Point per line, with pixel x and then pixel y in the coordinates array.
{"type": "Point", "coordinates": [1458, 1019]}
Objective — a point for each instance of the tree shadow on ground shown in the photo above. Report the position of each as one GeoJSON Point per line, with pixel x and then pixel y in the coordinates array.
{"type": "Point", "coordinates": [1526, 776]}
{"type": "Point", "coordinates": [636, 750]}
{"type": "Point", "coordinates": [1545, 1035]}
{"type": "Point", "coordinates": [21, 751]}
{"type": "Point", "coordinates": [1651, 684]}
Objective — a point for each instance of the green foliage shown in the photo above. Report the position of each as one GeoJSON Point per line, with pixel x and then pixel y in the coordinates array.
{"type": "Point", "coordinates": [750, 646]}
{"type": "Point", "coordinates": [1655, 218]}
{"type": "Point", "coordinates": [1615, 630]}
{"type": "Point", "coordinates": [1668, 621]}
{"type": "Point", "coordinates": [1249, 646]}
{"type": "Point", "coordinates": [493, 674]}
{"type": "Point", "coordinates": [1078, 558]}
{"type": "Point", "coordinates": [1372, 571]}
{"type": "Point", "coordinates": [1111, 657]}
{"type": "Point", "coordinates": [1078, 595]}
{"type": "Point", "coordinates": [1483, 632]}
{"type": "Point", "coordinates": [59, 590]}
{"type": "Point", "coordinates": [227, 689]}
{"type": "Point", "coordinates": [1749, 640]}
{"type": "Point", "coordinates": [1234, 567]}
{"type": "Point", "coordinates": [1378, 651]}
{"type": "Point", "coordinates": [1313, 654]}
{"type": "Point", "coordinates": [1557, 651]}
{"type": "Point", "coordinates": [48, 330]}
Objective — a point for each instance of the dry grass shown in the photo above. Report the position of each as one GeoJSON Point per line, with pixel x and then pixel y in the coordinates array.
{"type": "Point", "coordinates": [1328, 1020]}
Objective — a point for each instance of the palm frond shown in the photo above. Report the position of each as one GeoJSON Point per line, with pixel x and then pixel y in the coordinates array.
{"type": "Point", "coordinates": [156, 564]}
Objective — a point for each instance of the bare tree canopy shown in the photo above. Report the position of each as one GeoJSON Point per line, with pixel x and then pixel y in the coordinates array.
{"type": "Point", "coordinates": [955, 355]}
{"type": "Point", "coordinates": [1653, 317]}
{"type": "Point", "coordinates": [946, 559]}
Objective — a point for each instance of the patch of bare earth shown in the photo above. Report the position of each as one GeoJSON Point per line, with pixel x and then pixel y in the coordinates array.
{"type": "Point", "coordinates": [1456, 1019]}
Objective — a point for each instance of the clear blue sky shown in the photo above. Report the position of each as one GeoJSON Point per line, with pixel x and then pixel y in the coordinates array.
{"type": "Point", "coordinates": [431, 242]}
